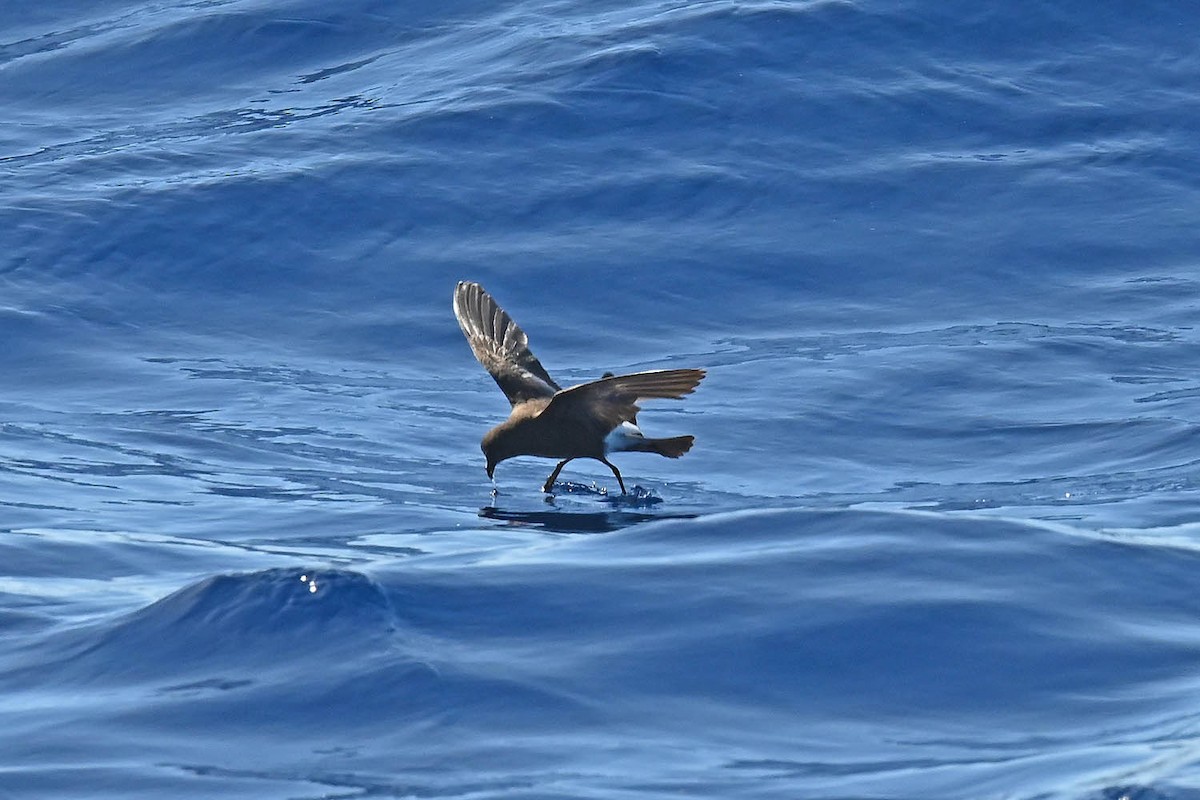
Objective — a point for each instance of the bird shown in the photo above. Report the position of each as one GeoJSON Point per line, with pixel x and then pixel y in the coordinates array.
{"type": "Point", "coordinates": [589, 420]}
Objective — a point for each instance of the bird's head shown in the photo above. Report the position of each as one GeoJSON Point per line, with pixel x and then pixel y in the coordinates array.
{"type": "Point", "coordinates": [495, 448]}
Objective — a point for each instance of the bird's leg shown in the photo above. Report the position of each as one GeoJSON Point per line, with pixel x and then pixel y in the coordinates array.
{"type": "Point", "coordinates": [554, 475]}
{"type": "Point", "coordinates": [616, 472]}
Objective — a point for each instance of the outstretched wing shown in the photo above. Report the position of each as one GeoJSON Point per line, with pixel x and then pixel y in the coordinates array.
{"type": "Point", "coordinates": [608, 402]}
{"type": "Point", "coordinates": [500, 345]}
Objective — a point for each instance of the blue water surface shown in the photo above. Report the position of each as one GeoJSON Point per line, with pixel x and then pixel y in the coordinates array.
{"type": "Point", "coordinates": [939, 534]}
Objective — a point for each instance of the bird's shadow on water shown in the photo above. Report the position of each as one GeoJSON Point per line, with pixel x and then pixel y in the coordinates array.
{"type": "Point", "coordinates": [622, 510]}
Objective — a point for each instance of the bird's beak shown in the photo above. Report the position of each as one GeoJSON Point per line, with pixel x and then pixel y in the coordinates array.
{"type": "Point", "coordinates": [490, 469]}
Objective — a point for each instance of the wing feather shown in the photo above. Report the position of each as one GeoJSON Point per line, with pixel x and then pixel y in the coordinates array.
{"type": "Point", "coordinates": [613, 400]}
{"type": "Point", "coordinates": [500, 345]}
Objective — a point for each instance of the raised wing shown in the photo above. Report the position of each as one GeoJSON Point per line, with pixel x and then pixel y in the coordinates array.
{"type": "Point", "coordinates": [500, 345]}
{"type": "Point", "coordinates": [610, 401]}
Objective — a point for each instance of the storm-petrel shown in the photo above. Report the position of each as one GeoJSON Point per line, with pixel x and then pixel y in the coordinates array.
{"type": "Point", "coordinates": [590, 420]}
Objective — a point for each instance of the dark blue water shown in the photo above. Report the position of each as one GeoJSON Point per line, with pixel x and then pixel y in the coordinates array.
{"type": "Point", "coordinates": [940, 532]}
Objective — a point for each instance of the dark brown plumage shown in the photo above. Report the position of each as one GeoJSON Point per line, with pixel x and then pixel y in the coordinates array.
{"type": "Point", "coordinates": [590, 420]}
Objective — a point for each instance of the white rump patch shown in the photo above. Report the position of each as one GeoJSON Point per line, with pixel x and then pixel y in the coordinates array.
{"type": "Point", "coordinates": [623, 437]}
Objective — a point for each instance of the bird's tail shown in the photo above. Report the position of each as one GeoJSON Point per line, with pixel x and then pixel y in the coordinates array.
{"type": "Point", "coordinates": [672, 447]}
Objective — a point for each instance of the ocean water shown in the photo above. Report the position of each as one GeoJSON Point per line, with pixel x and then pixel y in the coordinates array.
{"type": "Point", "coordinates": [939, 536]}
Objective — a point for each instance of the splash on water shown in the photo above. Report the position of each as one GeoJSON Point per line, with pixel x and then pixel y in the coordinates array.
{"type": "Point", "coordinates": [636, 497]}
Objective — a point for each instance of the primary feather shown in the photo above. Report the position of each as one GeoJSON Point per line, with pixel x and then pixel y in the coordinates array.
{"type": "Point", "coordinates": [500, 345]}
{"type": "Point", "coordinates": [615, 399]}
